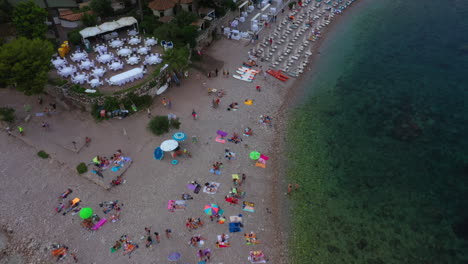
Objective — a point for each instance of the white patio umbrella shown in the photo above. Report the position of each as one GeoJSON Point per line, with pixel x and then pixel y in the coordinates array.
{"type": "Point", "coordinates": [169, 145]}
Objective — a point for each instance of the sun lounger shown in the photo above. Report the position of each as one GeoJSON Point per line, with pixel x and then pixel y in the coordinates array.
{"type": "Point", "coordinates": [99, 224]}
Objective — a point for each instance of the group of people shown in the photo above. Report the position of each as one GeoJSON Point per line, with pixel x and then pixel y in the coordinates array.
{"type": "Point", "coordinates": [193, 223]}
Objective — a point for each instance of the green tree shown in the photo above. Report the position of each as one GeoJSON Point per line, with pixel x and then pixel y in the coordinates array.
{"type": "Point", "coordinates": [102, 8]}
{"type": "Point", "coordinates": [184, 18]}
{"type": "Point", "coordinates": [181, 36]}
{"type": "Point", "coordinates": [5, 11]}
{"type": "Point", "coordinates": [89, 20]}
{"type": "Point", "coordinates": [25, 63]}
{"type": "Point", "coordinates": [29, 20]}
{"type": "Point", "coordinates": [177, 58]}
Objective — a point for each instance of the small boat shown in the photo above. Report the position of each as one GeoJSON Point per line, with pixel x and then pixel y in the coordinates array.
{"type": "Point", "coordinates": [162, 89]}
{"type": "Point", "coordinates": [249, 70]}
{"type": "Point", "coordinates": [242, 78]}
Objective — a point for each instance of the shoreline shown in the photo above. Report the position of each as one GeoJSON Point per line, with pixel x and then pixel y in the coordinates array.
{"type": "Point", "coordinates": [292, 98]}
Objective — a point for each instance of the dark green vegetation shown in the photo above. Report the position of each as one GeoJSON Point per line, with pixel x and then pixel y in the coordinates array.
{"type": "Point", "coordinates": [102, 8]}
{"type": "Point", "coordinates": [24, 63]}
{"type": "Point", "coordinates": [43, 154]}
{"type": "Point", "coordinates": [29, 19]}
{"type": "Point", "coordinates": [161, 124]}
{"type": "Point", "coordinates": [177, 58]}
{"type": "Point", "coordinates": [379, 148]}
{"type": "Point", "coordinates": [7, 114]}
{"type": "Point", "coordinates": [127, 103]}
{"type": "Point", "coordinates": [81, 168]}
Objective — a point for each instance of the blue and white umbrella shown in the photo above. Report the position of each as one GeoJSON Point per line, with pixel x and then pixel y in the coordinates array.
{"type": "Point", "coordinates": [179, 136]}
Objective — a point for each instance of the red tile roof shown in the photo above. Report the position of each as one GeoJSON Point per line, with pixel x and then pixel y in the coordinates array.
{"type": "Point", "coordinates": [70, 16]}
{"type": "Point", "coordinates": [161, 5]}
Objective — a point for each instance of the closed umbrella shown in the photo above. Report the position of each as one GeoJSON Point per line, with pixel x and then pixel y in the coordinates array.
{"type": "Point", "coordinates": [86, 213]}
{"type": "Point", "coordinates": [211, 209]}
{"type": "Point", "coordinates": [169, 145]}
{"type": "Point", "coordinates": [179, 136]}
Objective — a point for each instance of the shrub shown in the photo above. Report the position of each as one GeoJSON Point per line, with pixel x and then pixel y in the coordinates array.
{"type": "Point", "coordinates": [77, 88]}
{"type": "Point", "coordinates": [7, 114]}
{"type": "Point", "coordinates": [58, 82]}
{"type": "Point", "coordinates": [74, 37]}
{"type": "Point", "coordinates": [89, 20]}
{"type": "Point", "coordinates": [175, 123]}
{"type": "Point", "coordinates": [82, 168]}
{"type": "Point", "coordinates": [292, 4]}
{"type": "Point", "coordinates": [159, 125]}
{"type": "Point", "coordinates": [43, 154]}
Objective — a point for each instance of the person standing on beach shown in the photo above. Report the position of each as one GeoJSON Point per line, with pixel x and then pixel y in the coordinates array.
{"type": "Point", "coordinates": [148, 112]}
{"type": "Point", "coordinates": [168, 233]}
{"type": "Point", "coordinates": [156, 236]}
{"type": "Point", "coordinates": [169, 103]}
{"type": "Point", "coordinates": [289, 188]}
{"type": "Point", "coordinates": [194, 114]}
{"type": "Point", "coordinates": [21, 130]}
{"type": "Point", "coordinates": [164, 102]}
{"type": "Point", "coordinates": [216, 72]}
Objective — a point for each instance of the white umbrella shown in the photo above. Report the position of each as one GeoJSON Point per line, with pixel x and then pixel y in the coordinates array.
{"type": "Point", "coordinates": [169, 145]}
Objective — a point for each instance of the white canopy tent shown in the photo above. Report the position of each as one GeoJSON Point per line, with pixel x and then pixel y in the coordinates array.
{"type": "Point", "coordinates": [108, 27]}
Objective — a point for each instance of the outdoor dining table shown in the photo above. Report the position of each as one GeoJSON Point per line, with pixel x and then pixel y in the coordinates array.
{"type": "Point", "coordinates": [79, 56]}
{"type": "Point", "coordinates": [115, 66]}
{"type": "Point", "coordinates": [59, 62]}
{"type": "Point", "coordinates": [133, 60]}
{"type": "Point", "coordinates": [86, 64]}
{"type": "Point", "coordinates": [153, 59]}
{"type": "Point", "coordinates": [124, 52]}
{"type": "Point", "coordinates": [79, 79]}
{"type": "Point", "coordinates": [134, 41]}
{"type": "Point", "coordinates": [125, 77]}
{"type": "Point", "coordinates": [143, 50]}
{"type": "Point", "coordinates": [105, 58]}
{"type": "Point", "coordinates": [101, 49]}
{"type": "Point", "coordinates": [98, 72]}
{"type": "Point", "coordinates": [95, 83]}
{"type": "Point", "coordinates": [132, 32]}
{"type": "Point", "coordinates": [150, 42]}
{"type": "Point", "coordinates": [116, 43]}
{"type": "Point", "coordinates": [67, 71]}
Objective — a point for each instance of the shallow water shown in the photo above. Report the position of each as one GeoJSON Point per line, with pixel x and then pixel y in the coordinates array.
{"type": "Point", "coordinates": [379, 146]}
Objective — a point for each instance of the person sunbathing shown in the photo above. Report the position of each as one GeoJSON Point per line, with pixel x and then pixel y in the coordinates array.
{"type": "Point", "coordinates": [248, 131]}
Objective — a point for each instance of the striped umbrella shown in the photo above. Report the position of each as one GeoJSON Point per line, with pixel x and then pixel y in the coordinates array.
{"type": "Point", "coordinates": [211, 209]}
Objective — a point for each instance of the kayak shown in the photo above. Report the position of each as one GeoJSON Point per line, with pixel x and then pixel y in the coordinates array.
{"type": "Point", "coordinates": [246, 75]}
{"type": "Point", "coordinates": [242, 78]}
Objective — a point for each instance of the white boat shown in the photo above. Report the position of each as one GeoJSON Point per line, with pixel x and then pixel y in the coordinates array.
{"type": "Point", "coordinates": [162, 89]}
{"type": "Point", "coordinates": [241, 78]}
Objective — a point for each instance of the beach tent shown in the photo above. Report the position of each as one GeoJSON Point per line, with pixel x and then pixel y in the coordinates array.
{"type": "Point", "coordinates": [109, 26]}
{"type": "Point", "coordinates": [90, 32]}
{"type": "Point", "coordinates": [127, 21]}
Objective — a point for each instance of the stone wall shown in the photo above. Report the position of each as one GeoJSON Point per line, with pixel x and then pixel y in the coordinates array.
{"type": "Point", "coordinates": [206, 37]}
{"type": "Point", "coordinates": [82, 100]}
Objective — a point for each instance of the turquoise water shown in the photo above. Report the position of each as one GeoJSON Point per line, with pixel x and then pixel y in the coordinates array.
{"type": "Point", "coordinates": [379, 146]}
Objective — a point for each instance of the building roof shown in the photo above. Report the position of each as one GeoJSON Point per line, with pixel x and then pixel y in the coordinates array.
{"type": "Point", "coordinates": [166, 19]}
{"type": "Point", "coordinates": [68, 15]}
{"type": "Point", "coordinates": [161, 5]}
{"type": "Point", "coordinates": [51, 3]}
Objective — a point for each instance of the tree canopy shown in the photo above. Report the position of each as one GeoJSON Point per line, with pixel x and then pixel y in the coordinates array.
{"type": "Point", "coordinates": [177, 58]}
{"type": "Point", "coordinates": [29, 20]}
{"type": "Point", "coordinates": [102, 8]}
{"type": "Point", "coordinates": [5, 11]}
{"type": "Point", "coordinates": [89, 20]}
{"type": "Point", "coordinates": [25, 63]}
{"type": "Point", "coordinates": [179, 35]}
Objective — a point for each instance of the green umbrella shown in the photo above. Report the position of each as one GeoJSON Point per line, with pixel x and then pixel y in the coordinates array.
{"type": "Point", "coordinates": [255, 155]}
{"type": "Point", "coordinates": [86, 213]}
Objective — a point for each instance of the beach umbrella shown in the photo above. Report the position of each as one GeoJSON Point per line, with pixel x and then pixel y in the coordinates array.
{"type": "Point", "coordinates": [211, 209]}
{"type": "Point", "coordinates": [179, 136]}
{"type": "Point", "coordinates": [169, 145]}
{"type": "Point", "coordinates": [254, 155]}
{"type": "Point", "coordinates": [175, 256]}
{"type": "Point", "coordinates": [86, 213]}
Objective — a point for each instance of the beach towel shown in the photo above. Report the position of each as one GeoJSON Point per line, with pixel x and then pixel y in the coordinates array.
{"type": "Point", "coordinates": [222, 133]}
{"type": "Point", "coordinates": [264, 157]}
{"type": "Point", "coordinates": [261, 165]}
{"type": "Point", "coordinates": [116, 168]}
{"type": "Point", "coordinates": [214, 189]}
{"type": "Point", "coordinates": [176, 205]}
{"type": "Point", "coordinates": [99, 224]}
{"type": "Point", "coordinates": [218, 172]}
{"type": "Point", "coordinates": [235, 219]}
{"type": "Point", "coordinates": [195, 188]}
{"type": "Point", "coordinates": [220, 140]}
{"type": "Point", "coordinates": [219, 238]}
{"type": "Point", "coordinates": [234, 227]}
{"type": "Point", "coordinates": [248, 206]}
{"type": "Point", "coordinates": [248, 102]}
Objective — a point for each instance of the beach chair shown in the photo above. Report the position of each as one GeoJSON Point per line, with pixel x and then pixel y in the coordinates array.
{"type": "Point", "coordinates": [99, 224]}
